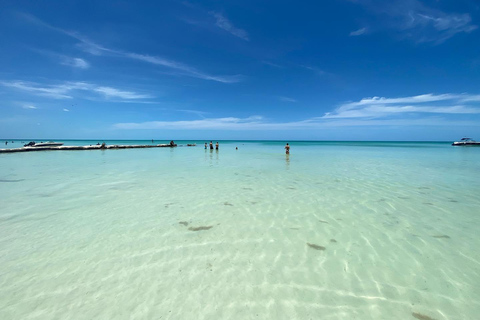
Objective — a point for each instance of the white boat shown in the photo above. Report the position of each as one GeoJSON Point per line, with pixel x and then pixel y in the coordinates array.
{"type": "Point", "coordinates": [466, 142]}
{"type": "Point", "coordinates": [44, 144]}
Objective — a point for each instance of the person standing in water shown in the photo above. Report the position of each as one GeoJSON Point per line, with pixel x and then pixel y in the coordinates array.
{"type": "Point", "coordinates": [211, 145]}
{"type": "Point", "coordinates": [216, 146]}
{"type": "Point", "coordinates": [287, 149]}
{"type": "Point", "coordinates": [205, 146]}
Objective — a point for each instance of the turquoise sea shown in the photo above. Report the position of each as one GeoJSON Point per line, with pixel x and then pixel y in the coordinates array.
{"type": "Point", "coordinates": [335, 230]}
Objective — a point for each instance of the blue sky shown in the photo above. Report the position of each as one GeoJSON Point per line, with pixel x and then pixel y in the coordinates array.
{"type": "Point", "coordinates": [283, 70]}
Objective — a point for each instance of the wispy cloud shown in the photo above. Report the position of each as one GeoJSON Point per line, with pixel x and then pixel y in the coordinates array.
{"type": "Point", "coordinates": [60, 91]}
{"type": "Point", "coordinates": [89, 46]}
{"type": "Point", "coordinates": [65, 60]}
{"type": "Point", "coordinates": [182, 68]}
{"type": "Point", "coordinates": [223, 23]}
{"type": "Point", "coordinates": [287, 99]}
{"type": "Point", "coordinates": [268, 63]}
{"type": "Point", "coordinates": [229, 123]}
{"type": "Point", "coordinates": [259, 123]}
{"type": "Point", "coordinates": [66, 90]}
{"type": "Point", "coordinates": [29, 107]}
{"type": "Point", "coordinates": [379, 107]}
{"type": "Point", "coordinates": [420, 110]}
{"type": "Point", "coordinates": [85, 43]}
{"type": "Point", "coordinates": [195, 112]}
{"type": "Point", "coordinates": [358, 32]}
{"type": "Point", "coordinates": [66, 110]}
{"type": "Point", "coordinates": [416, 21]}
{"type": "Point", "coordinates": [314, 69]}
{"type": "Point", "coordinates": [470, 98]}
{"type": "Point", "coordinates": [110, 92]}
{"type": "Point", "coordinates": [413, 99]}
{"type": "Point", "coordinates": [75, 62]}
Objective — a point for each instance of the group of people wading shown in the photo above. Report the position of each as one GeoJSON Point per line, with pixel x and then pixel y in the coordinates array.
{"type": "Point", "coordinates": [211, 145]}
{"type": "Point", "coordinates": [287, 147]}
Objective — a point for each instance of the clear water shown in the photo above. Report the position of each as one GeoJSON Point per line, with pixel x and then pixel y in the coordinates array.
{"type": "Point", "coordinates": [97, 234]}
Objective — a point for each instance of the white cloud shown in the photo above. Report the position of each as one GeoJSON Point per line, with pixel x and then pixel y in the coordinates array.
{"type": "Point", "coordinates": [88, 45]}
{"type": "Point", "coordinates": [29, 106]}
{"type": "Point", "coordinates": [93, 48]}
{"type": "Point", "coordinates": [419, 110]}
{"type": "Point", "coordinates": [68, 89]}
{"type": "Point", "coordinates": [287, 99]}
{"type": "Point", "coordinates": [358, 32]}
{"type": "Point", "coordinates": [75, 62]}
{"type": "Point", "coordinates": [195, 112]}
{"type": "Point", "coordinates": [471, 98]}
{"type": "Point", "coordinates": [417, 21]}
{"type": "Point", "coordinates": [316, 70]}
{"type": "Point", "coordinates": [223, 23]}
{"type": "Point", "coordinates": [65, 60]}
{"type": "Point", "coordinates": [180, 68]}
{"type": "Point", "coordinates": [53, 91]}
{"type": "Point", "coordinates": [447, 25]}
{"type": "Point", "coordinates": [115, 93]}
{"type": "Point", "coordinates": [378, 107]}
{"type": "Point", "coordinates": [229, 123]}
{"type": "Point", "coordinates": [413, 99]}
{"type": "Point", "coordinates": [184, 69]}
{"type": "Point", "coordinates": [85, 43]}
{"type": "Point", "coordinates": [268, 63]}
{"type": "Point", "coordinates": [66, 110]}
{"type": "Point", "coordinates": [258, 123]}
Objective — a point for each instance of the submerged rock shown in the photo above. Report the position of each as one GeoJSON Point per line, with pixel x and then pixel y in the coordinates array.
{"type": "Point", "coordinates": [200, 228]}
{"type": "Point", "coordinates": [421, 316]}
{"type": "Point", "coordinates": [315, 246]}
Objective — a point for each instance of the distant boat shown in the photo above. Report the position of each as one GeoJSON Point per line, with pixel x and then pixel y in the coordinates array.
{"type": "Point", "coordinates": [44, 144]}
{"type": "Point", "coordinates": [466, 142]}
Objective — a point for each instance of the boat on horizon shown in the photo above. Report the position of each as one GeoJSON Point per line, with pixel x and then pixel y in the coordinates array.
{"type": "Point", "coordinates": [466, 142]}
{"type": "Point", "coordinates": [44, 144]}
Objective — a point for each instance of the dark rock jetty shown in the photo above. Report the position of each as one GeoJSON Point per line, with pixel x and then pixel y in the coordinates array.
{"type": "Point", "coordinates": [94, 147]}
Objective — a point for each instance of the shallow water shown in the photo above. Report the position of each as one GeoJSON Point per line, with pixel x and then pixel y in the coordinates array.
{"type": "Point", "coordinates": [336, 230]}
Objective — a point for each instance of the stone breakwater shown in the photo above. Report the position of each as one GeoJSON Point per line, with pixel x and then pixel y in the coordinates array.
{"type": "Point", "coordinates": [94, 147]}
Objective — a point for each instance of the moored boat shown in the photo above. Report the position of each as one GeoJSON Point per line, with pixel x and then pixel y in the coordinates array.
{"type": "Point", "coordinates": [466, 142]}
{"type": "Point", "coordinates": [44, 144]}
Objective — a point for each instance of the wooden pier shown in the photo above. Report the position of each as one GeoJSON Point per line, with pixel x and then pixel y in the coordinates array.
{"type": "Point", "coordinates": [94, 147]}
